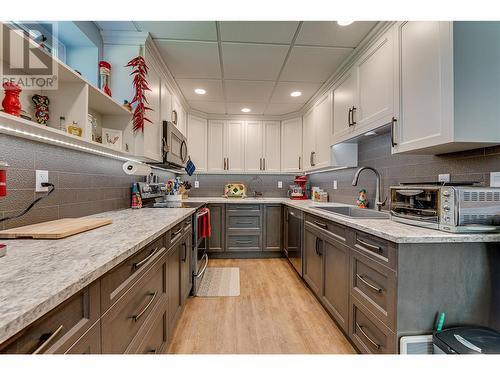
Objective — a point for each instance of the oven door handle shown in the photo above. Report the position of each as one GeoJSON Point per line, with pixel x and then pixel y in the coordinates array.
{"type": "Point", "coordinates": [200, 274]}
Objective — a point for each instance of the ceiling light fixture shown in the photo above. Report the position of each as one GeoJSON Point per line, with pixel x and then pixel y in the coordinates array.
{"type": "Point", "coordinates": [295, 93]}
{"type": "Point", "coordinates": [344, 23]}
{"type": "Point", "coordinates": [245, 110]}
{"type": "Point", "coordinates": [200, 91]}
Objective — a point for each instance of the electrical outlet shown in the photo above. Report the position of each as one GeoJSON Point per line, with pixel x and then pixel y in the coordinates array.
{"type": "Point", "coordinates": [196, 184]}
{"type": "Point", "coordinates": [445, 177]}
{"type": "Point", "coordinates": [41, 176]}
{"type": "Point", "coordinates": [495, 179]}
{"type": "Point", "coordinates": [335, 185]}
{"type": "Point", "coordinates": [280, 184]}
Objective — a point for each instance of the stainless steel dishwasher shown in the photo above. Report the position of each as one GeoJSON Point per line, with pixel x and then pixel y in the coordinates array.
{"type": "Point", "coordinates": [293, 242]}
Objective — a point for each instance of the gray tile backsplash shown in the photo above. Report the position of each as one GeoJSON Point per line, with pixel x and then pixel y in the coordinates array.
{"type": "Point", "coordinates": [473, 165]}
{"type": "Point", "coordinates": [85, 183]}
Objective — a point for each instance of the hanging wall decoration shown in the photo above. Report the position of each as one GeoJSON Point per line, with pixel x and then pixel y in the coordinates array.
{"type": "Point", "coordinates": [140, 71]}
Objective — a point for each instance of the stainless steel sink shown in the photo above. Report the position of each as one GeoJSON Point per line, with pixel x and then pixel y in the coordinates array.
{"type": "Point", "coordinates": [355, 212]}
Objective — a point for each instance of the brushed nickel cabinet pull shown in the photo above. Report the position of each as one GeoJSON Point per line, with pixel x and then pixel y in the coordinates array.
{"type": "Point", "coordinates": [227, 163]}
{"type": "Point", "coordinates": [244, 222]}
{"type": "Point", "coordinates": [184, 257]}
{"type": "Point", "coordinates": [260, 164]}
{"type": "Point", "coordinates": [300, 162]}
{"type": "Point", "coordinates": [264, 164]}
{"type": "Point", "coordinates": [360, 327]}
{"type": "Point", "coordinates": [313, 153]}
{"type": "Point", "coordinates": [145, 260]}
{"type": "Point", "coordinates": [369, 246]}
{"type": "Point", "coordinates": [376, 288]}
{"type": "Point", "coordinates": [241, 242]}
{"type": "Point", "coordinates": [394, 120]}
{"type": "Point", "coordinates": [349, 117]}
{"type": "Point", "coordinates": [141, 313]}
{"type": "Point", "coordinates": [152, 351]}
{"type": "Point", "coordinates": [176, 233]}
{"type": "Point", "coordinates": [47, 342]}
{"type": "Point", "coordinates": [352, 116]}
{"type": "Point", "coordinates": [319, 224]}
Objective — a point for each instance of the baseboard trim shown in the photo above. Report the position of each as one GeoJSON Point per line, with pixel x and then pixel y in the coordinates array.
{"type": "Point", "coordinates": [246, 255]}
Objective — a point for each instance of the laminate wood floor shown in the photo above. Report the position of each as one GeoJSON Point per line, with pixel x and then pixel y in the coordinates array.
{"type": "Point", "coordinates": [275, 314]}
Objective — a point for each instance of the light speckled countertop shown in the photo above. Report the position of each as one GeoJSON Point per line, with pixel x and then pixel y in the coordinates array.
{"type": "Point", "coordinates": [37, 275]}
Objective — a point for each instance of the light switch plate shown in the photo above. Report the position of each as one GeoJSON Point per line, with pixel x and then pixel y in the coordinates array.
{"type": "Point", "coordinates": [445, 177]}
{"type": "Point", "coordinates": [495, 179]}
{"type": "Point", "coordinates": [280, 184]}
{"type": "Point", "coordinates": [41, 176]}
{"type": "Point", "coordinates": [196, 184]}
{"type": "Point", "coordinates": [335, 185]}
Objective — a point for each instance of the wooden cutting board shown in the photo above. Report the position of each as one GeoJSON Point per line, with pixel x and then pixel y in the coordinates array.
{"type": "Point", "coordinates": [55, 229]}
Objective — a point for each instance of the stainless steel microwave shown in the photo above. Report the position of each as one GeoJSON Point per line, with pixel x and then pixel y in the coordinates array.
{"type": "Point", "coordinates": [174, 146]}
{"type": "Point", "coordinates": [458, 209]}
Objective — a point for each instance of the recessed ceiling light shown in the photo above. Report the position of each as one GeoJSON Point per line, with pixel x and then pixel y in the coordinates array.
{"type": "Point", "coordinates": [246, 110]}
{"type": "Point", "coordinates": [295, 93]}
{"type": "Point", "coordinates": [344, 23]}
{"type": "Point", "coordinates": [200, 91]}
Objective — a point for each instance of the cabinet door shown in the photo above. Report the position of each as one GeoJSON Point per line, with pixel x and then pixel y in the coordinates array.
{"type": "Point", "coordinates": [308, 139]}
{"type": "Point", "coordinates": [272, 227]}
{"type": "Point", "coordinates": [197, 142]}
{"type": "Point", "coordinates": [235, 145]}
{"type": "Point", "coordinates": [344, 99]}
{"type": "Point", "coordinates": [323, 132]}
{"type": "Point", "coordinates": [335, 294]}
{"type": "Point", "coordinates": [376, 85]}
{"type": "Point", "coordinates": [313, 262]}
{"type": "Point", "coordinates": [186, 272]}
{"type": "Point", "coordinates": [253, 146]}
{"type": "Point", "coordinates": [89, 343]}
{"type": "Point", "coordinates": [177, 107]}
{"type": "Point", "coordinates": [425, 86]}
{"type": "Point", "coordinates": [291, 145]}
{"type": "Point", "coordinates": [272, 144]}
{"type": "Point", "coordinates": [151, 147]}
{"type": "Point", "coordinates": [217, 218]}
{"type": "Point", "coordinates": [166, 103]}
{"type": "Point", "coordinates": [174, 286]}
{"type": "Point", "coordinates": [215, 146]}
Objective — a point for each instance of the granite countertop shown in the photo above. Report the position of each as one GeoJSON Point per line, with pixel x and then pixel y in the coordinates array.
{"type": "Point", "coordinates": [37, 275]}
{"type": "Point", "coordinates": [387, 229]}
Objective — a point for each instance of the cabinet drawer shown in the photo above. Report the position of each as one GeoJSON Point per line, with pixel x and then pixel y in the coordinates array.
{"type": "Point", "coordinates": [175, 234]}
{"type": "Point", "coordinates": [375, 286]}
{"type": "Point", "coordinates": [336, 231]}
{"type": "Point", "coordinates": [89, 343]}
{"type": "Point", "coordinates": [124, 319]}
{"type": "Point", "coordinates": [376, 248]}
{"type": "Point", "coordinates": [250, 242]}
{"type": "Point", "coordinates": [243, 222]}
{"type": "Point", "coordinates": [153, 337]}
{"type": "Point", "coordinates": [122, 277]}
{"type": "Point", "coordinates": [368, 333]}
{"type": "Point", "coordinates": [57, 331]}
{"type": "Point", "coordinates": [234, 207]}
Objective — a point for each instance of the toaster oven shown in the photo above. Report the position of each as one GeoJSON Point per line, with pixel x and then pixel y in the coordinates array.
{"type": "Point", "coordinates": [457, 209]}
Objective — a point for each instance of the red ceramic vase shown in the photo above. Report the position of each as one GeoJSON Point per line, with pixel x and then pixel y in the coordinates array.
{"type": "Point", "coordinates": [11, 103]}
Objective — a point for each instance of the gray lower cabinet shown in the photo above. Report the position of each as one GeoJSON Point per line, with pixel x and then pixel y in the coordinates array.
{"type": "Point", "coordinates": [243, 227]}
{"type": "Point", "coordinates": [174, 286]}
{"type": "Point", "coordinates": [313, 261]}
{"type": "Point", "coordinates": [273, 227]}
{"type": "Point", "coordinates": [217, 223]}
{"type": "Point", "coordinates": [185, 264]}
{"type": "Point", "coordinates": [89, 343]}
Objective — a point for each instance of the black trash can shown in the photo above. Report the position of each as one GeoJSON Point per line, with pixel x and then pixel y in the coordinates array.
{"type": "Point", "coordinates": [466, 340]}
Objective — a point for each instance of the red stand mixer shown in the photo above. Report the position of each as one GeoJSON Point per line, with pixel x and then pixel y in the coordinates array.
{"type": "Point", "coordinates": [298, 191]}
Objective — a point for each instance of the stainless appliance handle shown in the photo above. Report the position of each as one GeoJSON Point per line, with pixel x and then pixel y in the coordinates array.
{"type": "Point", "coordinates": [47, 342]}
{"type": "Point", "coordinates": [141, 313]}
{"type": "Point", "coordinates": [369, 245]}
{"type": "Point", "coordinates": [376, 288]}
{"type": "Point", "coordinates": [184, 151]}
{"type": "Point", "coordinates": [145, 260]}
{"type": "Point", "coordinates": [360, 327]}
{"type": "Point", "coordinates": [199, 274]}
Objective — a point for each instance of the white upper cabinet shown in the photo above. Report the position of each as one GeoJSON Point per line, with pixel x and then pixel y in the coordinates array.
{"type": "Point", "coordinates": [308, 139]}
{"type": "Point", "coordinates": [235, 146]}
{"type": "Point", "coordinates": [272, 144]}
{"type": "Point", "coordinates": [178, 115]}
{"type": "Point", "coordinates": [254, 146]}
{"type": "Point", "coordinates": [323, 131]}
{"type": "Point", "coordinates": [344, 102]}
{"type": "Point", "coordinates": [216, 160]}
{"type": "Point", "coordinates": [151, 137]}
{"type": "Point", "coordinates": [375, 71]}
{"type": "Point", "coordinates": [291, 145]}
{"type": "Point", "coordinates": [197, 142]}
{"type": "Point", "coordinates": [166, 103]}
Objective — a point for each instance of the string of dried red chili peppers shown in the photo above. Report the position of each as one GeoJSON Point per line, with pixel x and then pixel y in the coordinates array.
{"type": "Point", "coordinates": [141, 86]}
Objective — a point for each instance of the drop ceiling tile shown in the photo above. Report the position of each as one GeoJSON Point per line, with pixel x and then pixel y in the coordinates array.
{"type": "Point", "coordinates": [213, 88]}
{"type": "Point", "coordinates": [252, 61]}
{"type": "Point", "coordinates": [208, 107]}
{"type": "Point", "coordinates": [282, 108]}
{"type": "Point", "coordinates": [329, 33]}
{"type": "Point", "coordinates": [248, 91]}
{"type": "Point", "coordinates": [188, 59]}
{"type": "Point", "coordinates": [197, 30]}
{"type": "Point", "coordinates": [116, 25]}
{"type": "Point", "coordinates": [313, 64]}
{"type": "Point", "coordinates": [235, 108]}
{"type": "Point", "coordinates": [258, 31]}
{"type": "Point", "coordinates": [283, 89]}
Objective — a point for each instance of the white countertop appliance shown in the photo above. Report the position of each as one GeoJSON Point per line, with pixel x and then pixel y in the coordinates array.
{"type": "Point", "coordinates": [457, 208]}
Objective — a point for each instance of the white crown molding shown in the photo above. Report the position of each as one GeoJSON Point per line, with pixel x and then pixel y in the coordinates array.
{"type": "Point", "coordinates": [124, 37]}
